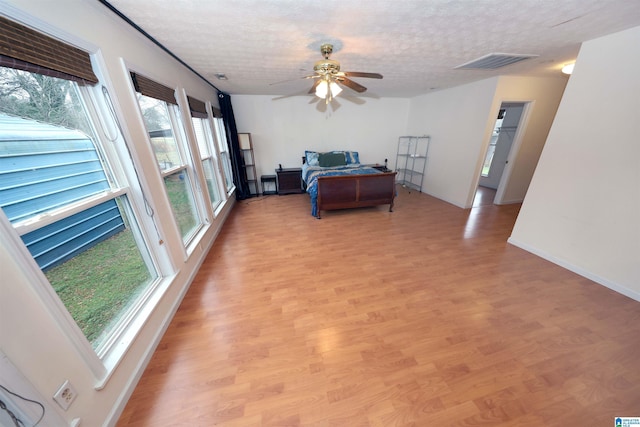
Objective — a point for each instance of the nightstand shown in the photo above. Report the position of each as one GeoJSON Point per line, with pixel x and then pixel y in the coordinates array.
{"type": "Point", "coordinates": [289, 180]}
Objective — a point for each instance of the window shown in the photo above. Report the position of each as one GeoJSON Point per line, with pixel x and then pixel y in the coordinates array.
{"type": "Point", "coordinates": [223, 148]}
{"type": "Point", "coordinates": [60, 193]}
{"type": "Point", "coordinates": [205, 146]}
{"type": "Point", "coordinates": [161, 118]}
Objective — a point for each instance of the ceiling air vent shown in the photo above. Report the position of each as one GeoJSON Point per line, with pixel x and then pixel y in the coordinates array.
{"type": "Point", "coordinates": [493, 61]}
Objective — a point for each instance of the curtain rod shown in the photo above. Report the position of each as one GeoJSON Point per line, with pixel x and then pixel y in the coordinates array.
{"type": "Point", "coordinates": [156, 42]}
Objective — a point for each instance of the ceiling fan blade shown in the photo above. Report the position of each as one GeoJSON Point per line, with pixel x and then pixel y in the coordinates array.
{"type": "Point", "coordinates": [360, 74]}
{"type": "Point", "coordinates": [351, 84]}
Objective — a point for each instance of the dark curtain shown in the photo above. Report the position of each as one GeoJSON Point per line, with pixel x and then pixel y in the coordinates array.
{"type": "Point", "coordinates": [237, 161]}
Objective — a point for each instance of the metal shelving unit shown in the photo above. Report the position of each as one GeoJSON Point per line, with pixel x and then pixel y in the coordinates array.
{"type": "Point", "coordinates": [411, 161]}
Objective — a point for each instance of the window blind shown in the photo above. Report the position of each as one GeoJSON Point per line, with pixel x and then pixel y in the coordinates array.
{"type": "Point", "coordinates": [197, 107]}
{"type": "Point", "coordinates": [148, 87]}
{"type": "Point", "coordinates": [29, 50]}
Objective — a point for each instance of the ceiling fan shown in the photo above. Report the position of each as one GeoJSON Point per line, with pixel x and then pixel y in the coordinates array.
{"type": "Point", "coordinates": [329, 77]}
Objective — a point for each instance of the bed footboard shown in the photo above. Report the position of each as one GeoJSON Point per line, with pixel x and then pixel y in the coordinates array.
{"type": "Point", "coordinates": [355, 191]}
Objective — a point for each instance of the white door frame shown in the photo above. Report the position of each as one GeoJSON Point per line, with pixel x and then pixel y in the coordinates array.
{"type": "Point", "coordinates": [513, 152]}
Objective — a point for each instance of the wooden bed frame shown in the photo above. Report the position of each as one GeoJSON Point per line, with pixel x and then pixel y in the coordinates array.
{"type": "Point", "coordinates": [355, 191]}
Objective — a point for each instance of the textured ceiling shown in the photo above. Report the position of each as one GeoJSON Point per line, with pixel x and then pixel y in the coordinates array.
{"type": "Point", "coordinates": [415, 44]}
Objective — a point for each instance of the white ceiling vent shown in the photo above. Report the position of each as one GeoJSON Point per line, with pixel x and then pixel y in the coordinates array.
{"type": "Point", "coordinates": [493, 61]}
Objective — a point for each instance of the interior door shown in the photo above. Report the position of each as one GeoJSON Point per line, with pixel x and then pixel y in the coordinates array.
{"type": "Point", "coordinates": [506, 133]}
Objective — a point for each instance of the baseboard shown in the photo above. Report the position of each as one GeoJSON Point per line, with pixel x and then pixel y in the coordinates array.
{"type": "Point", "coordinates": [578, 270]}
{"type": "Point", "coordinates": [510, 202]}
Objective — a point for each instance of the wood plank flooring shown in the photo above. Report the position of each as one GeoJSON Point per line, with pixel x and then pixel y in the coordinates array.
{"type": "Point", "coordinates": [420, 317]}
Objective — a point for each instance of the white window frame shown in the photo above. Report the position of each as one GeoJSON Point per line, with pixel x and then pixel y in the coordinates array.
{"type": "Point", "coordinates": [186, 165]}
{"type": "Point", "coordinates": [103, 360]}
{"type": "Point", "coordinates": [211, 157]}
{"type": "Point", "coordinates": [224, 159]}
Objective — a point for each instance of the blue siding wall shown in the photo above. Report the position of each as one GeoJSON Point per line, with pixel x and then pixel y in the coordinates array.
{"type": "Point", "coordinates": [58, 242]}
{"type": "Point", "coordinates": [43, 167]}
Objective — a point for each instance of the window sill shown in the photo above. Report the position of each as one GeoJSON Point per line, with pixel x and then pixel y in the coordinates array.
{"type": "Point", "coordinates": [117, 351]}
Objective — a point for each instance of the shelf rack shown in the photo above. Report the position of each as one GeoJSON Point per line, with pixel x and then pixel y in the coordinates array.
{"type": "Point", "coordinates": [249, 163]}
{"type": "Point", "coordinates": [411, 161]}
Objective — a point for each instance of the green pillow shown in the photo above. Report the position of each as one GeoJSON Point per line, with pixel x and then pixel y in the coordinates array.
{"type": "Point", "coordinates": [331, 159]}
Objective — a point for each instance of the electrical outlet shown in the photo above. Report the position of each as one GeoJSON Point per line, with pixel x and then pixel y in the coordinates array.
{"type": "Point", "coordinates": [65, 395]}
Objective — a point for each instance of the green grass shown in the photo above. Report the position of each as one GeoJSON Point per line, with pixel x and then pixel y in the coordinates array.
{"type": "Point", "coordinates": [179, 197]}
{"type": "Point", "coordinates": [97, 285]}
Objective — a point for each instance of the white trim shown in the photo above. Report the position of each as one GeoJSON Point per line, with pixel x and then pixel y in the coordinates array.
{"type": "Point", "coordinates": [217, 163]}
{"type": "Point", "coordinates": [137, 317]}
{"type": "Point", "coordinates": [155, 228]}
{"type": "Point", "coordinates": [510, 202]}
{"type": "Point", "coordinates": [578, 270]}
{"type": "Point", "coordinates": [48, 297]}
{"type": "Point", "coordinates": [50, 217]}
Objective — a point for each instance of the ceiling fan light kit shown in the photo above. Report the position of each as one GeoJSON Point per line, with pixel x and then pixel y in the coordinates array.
{"type": "Point", "coordinates": [335, 89]}
{"type": "Point", "coordinates": [329, 77]}
{"type": "Point", "coordinates": [322, 89]}
{"type": "Point", "coordinates": [327, 90]}
{"type": "Point", "coordinates": [326, 66]}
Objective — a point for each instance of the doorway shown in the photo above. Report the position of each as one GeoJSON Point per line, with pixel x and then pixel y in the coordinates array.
{"type": "Point", "coordinates": [497, 155]}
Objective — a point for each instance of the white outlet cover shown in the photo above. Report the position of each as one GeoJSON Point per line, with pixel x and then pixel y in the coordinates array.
{"type": "Point", "coordinates": [65, 395]}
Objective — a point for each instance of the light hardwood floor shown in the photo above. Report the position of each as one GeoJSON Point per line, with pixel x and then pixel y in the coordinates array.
{"type": "Point", "coordinates": [421, 317]}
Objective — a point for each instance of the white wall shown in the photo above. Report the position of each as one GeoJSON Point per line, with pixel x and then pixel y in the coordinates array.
{"type": "Point", "coordinates": [457, 120]}
{"type": "Point", "coordinates": [31, 336]}
{"type": "Point", "coordinates": [543, 96]}
{"type": "Point", "coordinates": [282, 129]}
{"type": "Point", "coordinates": [460, 121]}
{"type": "Point", "coordinates": [582, 208]}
